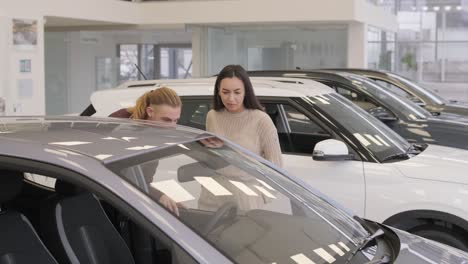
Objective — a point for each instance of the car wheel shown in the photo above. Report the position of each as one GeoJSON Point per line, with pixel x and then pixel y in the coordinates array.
{"type": "Point", "coordinates": [441, 234]}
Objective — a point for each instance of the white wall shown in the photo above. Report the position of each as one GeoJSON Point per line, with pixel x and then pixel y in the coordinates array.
{"type": "Point", "coordinates": [265, 11]}
{"type": "Point", "coordinates": [207, 12]}
{"type": "Point", "coordinates": [31, 99]}
{"type": "Point", "coordinates": [4, 54]}
{"type": "Point", "coordinates": [119, 12]}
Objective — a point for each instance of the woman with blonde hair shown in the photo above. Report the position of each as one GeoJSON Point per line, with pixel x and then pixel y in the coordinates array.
{"type": "Point", "coordinates": [163, 105]}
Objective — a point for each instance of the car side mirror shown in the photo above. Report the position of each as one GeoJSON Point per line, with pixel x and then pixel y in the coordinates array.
{"type": "Point", "coordinates": [382, 114]}
{"type": "Point", "coordinates": [331, 150]}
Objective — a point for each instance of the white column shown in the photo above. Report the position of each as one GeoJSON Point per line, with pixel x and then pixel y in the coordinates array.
{"type": "Point", "coordinates": [357, 45]}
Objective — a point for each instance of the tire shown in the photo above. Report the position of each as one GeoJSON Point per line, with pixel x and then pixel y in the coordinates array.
{"type": "Point", "coordinates": [442, 234]}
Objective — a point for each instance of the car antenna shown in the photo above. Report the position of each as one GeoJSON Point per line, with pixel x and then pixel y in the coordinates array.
{"type": "Point", "coordinates": [139, 70]}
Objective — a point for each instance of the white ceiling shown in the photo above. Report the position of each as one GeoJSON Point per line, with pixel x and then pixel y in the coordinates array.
{"type": "Point", "coordinates": [71, 22]}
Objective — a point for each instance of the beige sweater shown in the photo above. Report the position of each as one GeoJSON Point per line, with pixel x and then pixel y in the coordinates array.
{"type": "Point", "coordinates": [252, 129]}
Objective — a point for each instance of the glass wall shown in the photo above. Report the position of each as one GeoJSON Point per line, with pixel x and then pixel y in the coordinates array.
{"type": "Point", "coordinates": [175, 62]}
{"type": "Point", "coordinates": [150, 61]}
{"type": "Point", "coordinates": [380, 49]}
{"type": "Point", "coordinates": [277, 48]}
{"type": "Point", "coordinates": [431, 43]}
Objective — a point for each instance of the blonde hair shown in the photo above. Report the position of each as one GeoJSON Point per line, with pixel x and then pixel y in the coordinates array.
{"type": "Point", "coordinates": [160, 96]}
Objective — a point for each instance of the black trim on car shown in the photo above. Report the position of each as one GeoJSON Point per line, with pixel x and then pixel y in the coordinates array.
{"type": "Point", "coordinates": [409, 217]}
{"type": "Point", "coordinates": [89, 111]}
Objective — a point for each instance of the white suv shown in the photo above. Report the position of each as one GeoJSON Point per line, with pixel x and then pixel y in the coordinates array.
{"type": "Point", "coordinates": [341, 150]}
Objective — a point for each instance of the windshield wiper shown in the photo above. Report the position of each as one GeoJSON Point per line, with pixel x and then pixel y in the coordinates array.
{"type": "Point", "coordinates": [383, 259]}
{"type": "Point", "coordinates": [416, 148]}
{"type": "Point", "coordinates": [412, 150]}
{"type": "Point", "coordinates": [364, 243]}
{"type": "Point", "coordinates": [403, 156]}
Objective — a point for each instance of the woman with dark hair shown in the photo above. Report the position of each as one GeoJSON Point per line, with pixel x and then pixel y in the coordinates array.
{"type": "Point", "coordinates": [238, 115]}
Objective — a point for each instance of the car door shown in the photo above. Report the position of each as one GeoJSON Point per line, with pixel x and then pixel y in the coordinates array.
{"type": "Point", "coordinates": [298, 132]}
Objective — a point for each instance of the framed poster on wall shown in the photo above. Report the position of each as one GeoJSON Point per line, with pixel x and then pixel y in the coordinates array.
{"type": "Point", "coordinates": [25, 66]}
{"type": "Point", "coordinates": [24, 33]}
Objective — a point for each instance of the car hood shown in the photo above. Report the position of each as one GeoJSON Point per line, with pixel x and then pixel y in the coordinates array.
{"type": "Point", "coordinates": [438, 163]}
{"type": "Point", "coordinates": [450, 117]}
{"type": "Point", "coordinates": [457, 103]}
{"type": "Point", "coordinates": [445, 132]}
{"type": "Point", "coordinates": [415, 249]}
{"type": "Point", "coordinates": [445, 116]}
{"type": "Point", "coordinates": [457, 108]}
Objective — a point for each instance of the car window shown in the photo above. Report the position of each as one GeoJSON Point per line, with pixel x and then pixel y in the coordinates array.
{"type": "Point", "coordinates": [420, 91]}
{"type": "Point", "coordinates": [273, 111]}
{"type": "Point", "coordinates": [41, 180]}
{"type": "Point", "coordinates": [300, 123]}
{"type": "Point", "coordinates": [194, 113]}
{"type": "Point", "coordinates": [40, 209]}
{"type": "Point", "coordinates": [398, 91]}
{"type": "Point", "coordinates": [371, 133]}
{"type": "Point", "coordinates": [242, 207]}
{"type": "Point", "coordinates": [400, 104]}
{"type": "Point", "coordinates": [357, 98]}
{"type": "Point", "coordinates": [302, 134]}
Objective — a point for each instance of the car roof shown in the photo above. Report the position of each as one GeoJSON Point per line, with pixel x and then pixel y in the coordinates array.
{"type": "Point", "coordinates": [278, 84]}
{"type": "Point", "coordinates": [102, 139]}
{"type": "Point", "coordinates": [326, 75]}
{"type": "Point", "coordinates": [361, 70]}
{"type": "Point", "coordinates": [107, 101]}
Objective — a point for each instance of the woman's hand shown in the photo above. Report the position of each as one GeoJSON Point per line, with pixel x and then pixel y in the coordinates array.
{"type": "Point", "coordinates": [212, 142]}
{"type": "Point", "coordinates": [170, 204]}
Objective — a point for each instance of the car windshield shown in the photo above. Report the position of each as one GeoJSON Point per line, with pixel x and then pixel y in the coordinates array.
{"type": "Point", "coordinates": [398, 103]}
{"type": "Point", "coordinates": [416, 88]}
{"type": "Point", "coordinates": [247, 210]}
{"type": "Point", "coordinates": [373, 134]}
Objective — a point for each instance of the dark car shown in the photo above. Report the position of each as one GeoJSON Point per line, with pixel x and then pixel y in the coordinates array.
{"type": "Point", "coordinates": [413, 123]}
{"type": "Point", "coordinates": [400, 85]}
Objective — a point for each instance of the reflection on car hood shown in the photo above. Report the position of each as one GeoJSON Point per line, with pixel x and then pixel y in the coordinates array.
{"type": "Point", "coordinates": [445, 116]}
{"type": "Point", "coordinates": [437, 163]}
{"type": "Point", "coordinates": [415, 250]}
{"type": "Point", "coordinates": [457, 103]}
{"type": "Point", "coordinates": [457, 108]}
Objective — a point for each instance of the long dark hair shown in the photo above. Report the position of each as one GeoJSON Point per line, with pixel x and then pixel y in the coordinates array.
{"type": "Point", "coordinates": [231, 71]}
